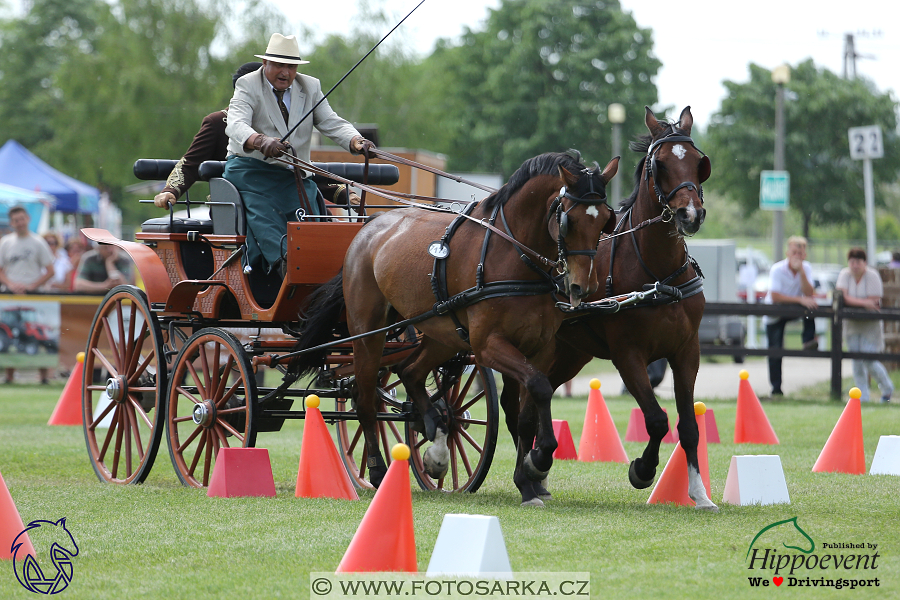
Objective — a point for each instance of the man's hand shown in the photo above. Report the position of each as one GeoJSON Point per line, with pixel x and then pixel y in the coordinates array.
{"type": "Point", "coordinates": [269, 146]}
{"type": "Point", "coordinates": [361, 145]}
{"type": "Point", "coordinates": [164, 199]}
{"type": "Point", "coordinates": [17, 288]}
{"type": "Point", "coordinates": [809, 302]}
{"type": "Point", "coordinates": [354, 198]}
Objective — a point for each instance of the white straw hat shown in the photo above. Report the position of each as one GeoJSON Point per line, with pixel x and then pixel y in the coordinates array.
{"type": "Point", "coordinates": [283, 49]}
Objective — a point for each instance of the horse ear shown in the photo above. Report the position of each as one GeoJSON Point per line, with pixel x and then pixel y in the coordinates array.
{"type": "Point", "coordinates": [686, 120]}
{"type": "Point", "coordinates": [569, 180]}
{"type": "Point", "coordinates": [651, 122]}
{"type": "Point", "coordinates": [612, 167]}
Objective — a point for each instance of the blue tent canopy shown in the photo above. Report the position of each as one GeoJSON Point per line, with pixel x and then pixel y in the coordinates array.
{"type": "Point", "coordinates": [21, 168]}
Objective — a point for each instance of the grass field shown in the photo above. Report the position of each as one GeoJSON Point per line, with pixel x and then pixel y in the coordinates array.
{"type": "Point", "coordinates": [161, 540]}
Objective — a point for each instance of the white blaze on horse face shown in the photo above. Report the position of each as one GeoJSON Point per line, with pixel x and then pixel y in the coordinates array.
{"type": "Point", "coordinates": [592, 210]}
{"type": "Point", "coordinates": [691, 211]}
{"type": "Point", "coordinates": [679, 151]}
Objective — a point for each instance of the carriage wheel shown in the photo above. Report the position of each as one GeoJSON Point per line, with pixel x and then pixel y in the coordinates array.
{"type": "Point", "coordinates": [351, 441]}
{"type": "Point", "coordinates": [211, 401]}
{"type": "Point", "coordinates": [123, 387]}
{"type": "Point", "coordinates": [473, 432]}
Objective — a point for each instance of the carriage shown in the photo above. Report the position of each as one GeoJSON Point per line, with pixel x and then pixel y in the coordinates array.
{"type": "Point", "coordinates": [198, 357]}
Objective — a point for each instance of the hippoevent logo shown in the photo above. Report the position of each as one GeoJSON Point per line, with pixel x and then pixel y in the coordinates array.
{"type": "Point", "coordinates": [56, 544]}
{"type": "Point", "coordinates": [782, 553]}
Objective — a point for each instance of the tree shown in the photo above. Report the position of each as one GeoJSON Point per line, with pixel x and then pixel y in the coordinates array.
{"type": "Point", "coordinates": [826, 185]}
{"type": "Point", "coordinates": [540, 77]}
{"type": "Point", "coordinates": [34, 47]}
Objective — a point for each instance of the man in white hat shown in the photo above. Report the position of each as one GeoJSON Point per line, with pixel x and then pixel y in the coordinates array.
{"type": "Point", "coordinates": [266, 105]}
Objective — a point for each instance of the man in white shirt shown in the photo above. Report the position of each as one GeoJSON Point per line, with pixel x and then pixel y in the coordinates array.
{"type": "Point", "coordinates": [26, 263]}
{"type": "Point", "coordinates": [790, 282]}
{"type": "Point", "coordinates": [862, 287]}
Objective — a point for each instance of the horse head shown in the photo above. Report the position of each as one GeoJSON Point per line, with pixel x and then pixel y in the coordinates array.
{"type": "Point", "coordinates": [581, 216]}
{"type": "Point", "coordinates": [677, 168]}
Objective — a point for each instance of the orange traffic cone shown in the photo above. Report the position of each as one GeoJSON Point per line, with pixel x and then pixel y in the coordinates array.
{"type": "Point", "coordinates": [385, 540]}
{"type": "Point", "coordinates": [673, 483]}
{"type": "Point", "coordinates": [637, 429]}
{"type": "Point", "coordinates": [68, 408]}
{"type": "Point", "coordinates": [751, 425]}
{"type": "Point", "coordinates": [600, 442]}
{"type": "Point", "coordinates": [844, 451]}
{"type": "Point", "coordinates": [321, 473]}
{"type": "Point", "coordinates": [11, 526]}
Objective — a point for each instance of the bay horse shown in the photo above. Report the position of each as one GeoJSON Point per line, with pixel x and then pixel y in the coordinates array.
{"type": "Point", "coordinates": [667, 184]}
{"type": "Point", "coordinates": [551, 206]}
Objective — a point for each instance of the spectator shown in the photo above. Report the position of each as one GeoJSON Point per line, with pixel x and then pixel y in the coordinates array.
{"type": "Point", "coordinates": [75, 250]}
{"type": "Point", "coordinates": [26, 263]}
{"type": "Point", "coordinates": [102, 269]}
{"type": "Point", "coordinates": [790, 282]}
{"type": "Point", "coordinates": [61, 263]}
{"type": "Point", "coordinates": [895, 260]}
{"type": "Point", "coordinates": [862, 288]}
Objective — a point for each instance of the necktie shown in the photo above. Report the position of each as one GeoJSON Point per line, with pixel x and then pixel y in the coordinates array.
{"type": "Point", "coordinates": [284, 111]}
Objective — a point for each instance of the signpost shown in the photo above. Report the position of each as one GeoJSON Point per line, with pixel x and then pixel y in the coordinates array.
{"type": "Point", "coordinates": [774, 190]}
{"type": "Point", "coordinates": [866, 144]}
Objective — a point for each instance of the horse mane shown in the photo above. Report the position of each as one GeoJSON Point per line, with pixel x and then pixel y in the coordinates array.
{"type": "Point", "coordinates": [543, 164]}
{"type": "Point", "coordinates": [642, 144]}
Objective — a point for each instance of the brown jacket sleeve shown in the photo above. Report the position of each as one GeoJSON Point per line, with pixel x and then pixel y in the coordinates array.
{"type": "Point", "coordinates": [210, 143]}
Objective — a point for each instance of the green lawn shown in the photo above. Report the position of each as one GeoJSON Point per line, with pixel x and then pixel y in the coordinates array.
{"type": "Point", "coordinates": [161, 540]}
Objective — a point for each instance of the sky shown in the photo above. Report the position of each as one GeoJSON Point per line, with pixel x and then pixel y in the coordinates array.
{"type": "Point", "coordinates": [700, 42]}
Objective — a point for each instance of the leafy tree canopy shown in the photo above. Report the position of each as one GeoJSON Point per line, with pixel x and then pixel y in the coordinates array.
{"type": "Point", "coordinates": [826, 185]}
{"type": "Point", "coordinates": [540, 77]}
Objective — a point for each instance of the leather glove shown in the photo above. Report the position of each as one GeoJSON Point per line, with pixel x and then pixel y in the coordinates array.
{"type": "Point", "coordinates": [269, 146]}
{"type": "Point", "coordinates": [363, 146]}
{"type": "Point", "coordinates": [354, 199]}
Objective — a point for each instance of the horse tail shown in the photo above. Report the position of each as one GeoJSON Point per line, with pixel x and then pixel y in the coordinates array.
{"type": "Point", "coordinates": [319, 324]}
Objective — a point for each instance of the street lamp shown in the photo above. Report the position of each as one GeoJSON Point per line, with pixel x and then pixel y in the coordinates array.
{"type": "Point", "coordinates": [616, 114]}
{"type": "Point", "coordinates": [780, 76]}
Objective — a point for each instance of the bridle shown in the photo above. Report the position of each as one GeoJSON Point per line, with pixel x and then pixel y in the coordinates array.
{"type": "Point", "coordinates": [592, 197]}
{"type": "Point", "coordinates": [650, 170]}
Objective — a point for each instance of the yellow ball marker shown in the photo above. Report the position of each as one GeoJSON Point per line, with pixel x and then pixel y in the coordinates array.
{"type": "Point", "coordinates": [744, 374]}
{"type": "Point", "coordinates": [699, 408]}
{"type": "Point", "coordinates": [595, 384]}
{"type": "Point", "coordinates": [400, 452]}
{"type": "Point", "coordinates": [855, 393]}
{"type": "Point", "coordinates": [312, 401]}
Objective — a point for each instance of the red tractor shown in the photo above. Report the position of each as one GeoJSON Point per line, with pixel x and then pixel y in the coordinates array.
{"type": "Point", "coordinates": [20, 325]}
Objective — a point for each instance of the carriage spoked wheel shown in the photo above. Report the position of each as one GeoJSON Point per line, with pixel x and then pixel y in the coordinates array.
{"type": "Point", "coordinates": [472, 407]}
{"type": "Point", "coordinates": [210, 404]}
{"type": "Point", "coordinates": [351, 441]}
{"type": "Point", "coordinates": [123, 387]}
{"type": "Point", "coordinates": [473, 415]}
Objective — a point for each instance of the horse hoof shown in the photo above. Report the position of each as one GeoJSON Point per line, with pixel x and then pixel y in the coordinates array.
{"type": "Point", "coordinates": [708, 507]}
{"type": "Point", "coordinates": [531, 471]}
{"type": "Point", "coordinates": [436, 467]}
{"type": "Point", "coordinates": [636, 481]}
{"type": "Point", "coordinates": [540, 491]}
{"type": "Point", "coordinates": [376, 476]}
{"type": "Point", "coordinates": [533, 502]}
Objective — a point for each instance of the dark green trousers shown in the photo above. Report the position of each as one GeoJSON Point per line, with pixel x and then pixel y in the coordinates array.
{"type": "Point", "coordinates": [270, 200]}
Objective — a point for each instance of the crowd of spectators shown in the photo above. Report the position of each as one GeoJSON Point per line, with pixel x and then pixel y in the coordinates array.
{"type": "Point", "coordinates": [49, 263]}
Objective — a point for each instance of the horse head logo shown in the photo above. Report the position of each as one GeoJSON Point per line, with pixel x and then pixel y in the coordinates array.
{"type": "Point", "coordinates": [788, 532]}
{"type": "Point", "coordinates": [56, 542]}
